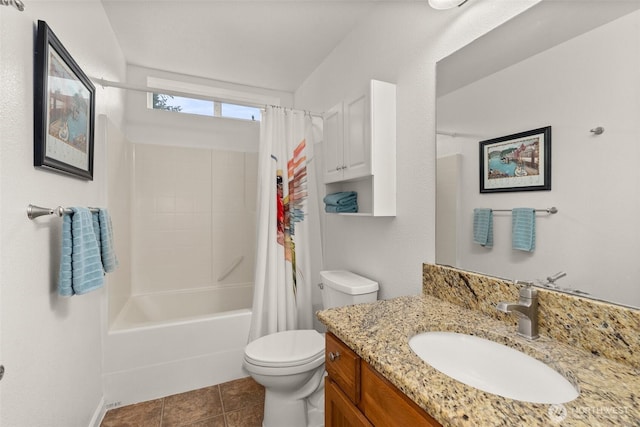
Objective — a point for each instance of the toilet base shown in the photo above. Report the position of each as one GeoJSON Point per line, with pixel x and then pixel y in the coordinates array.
{"type": "Point", "coordinates": [282, 411]}
{"type": "Point", "coordinates": [315, 406]}
{"type": "Point", "coordinates": [285, 410]}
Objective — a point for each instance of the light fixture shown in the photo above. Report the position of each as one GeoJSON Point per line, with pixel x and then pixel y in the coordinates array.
{"type": "Point", "coordinates": [446, 4]}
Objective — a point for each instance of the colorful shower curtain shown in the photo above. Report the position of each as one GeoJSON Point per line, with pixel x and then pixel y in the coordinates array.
{"type": "Point", "coordinates": [282, 285]}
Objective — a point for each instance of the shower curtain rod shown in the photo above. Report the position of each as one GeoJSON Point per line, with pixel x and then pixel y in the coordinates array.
{"type": "Point", "coordinates": [147, 89]}
{"type": "Point", "coordinates": [311, 113]}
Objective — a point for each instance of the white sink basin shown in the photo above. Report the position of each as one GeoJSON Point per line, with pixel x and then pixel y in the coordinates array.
{"type": "Point", "coordinates": [492, 367]}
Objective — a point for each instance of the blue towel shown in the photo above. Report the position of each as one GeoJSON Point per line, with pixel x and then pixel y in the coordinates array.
{"type": "Point", "coordinates": [96, 226]}
{"type": "Point", "coordinates": [483, 227]}
{"type": "Point", "coordinates": [341, 198]}
{"type": "Point", "coordinates": [80, 264]}
{"type": "Point", "coordinates": [523, 229]}
{"type": "Point", "coordinates": [65, 276]}
{"type": "Point", "coordinates": [105, 240]}
{"type": "Point", "coordinates": [341, 209]}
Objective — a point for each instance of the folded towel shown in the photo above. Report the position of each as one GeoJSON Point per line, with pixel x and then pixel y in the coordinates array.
{"type": "Point", "coordinates": [523, 229]}
{"type": "Point", "coordinates": [80, 264]}
{"type": "Point", "coordinates": [483, 227]}
{"type": "Point", "coordinates": [341, 209]}
{"type": "Point", "coordinates": [105, 240]}
{"type": "Point", "coordinates": [341, 198]}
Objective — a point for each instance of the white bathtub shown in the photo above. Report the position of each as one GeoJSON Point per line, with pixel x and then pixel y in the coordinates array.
{"type": "Point", "coordinates": [160, 308]}
{"type": "Point", "coordinates": [171, 342]}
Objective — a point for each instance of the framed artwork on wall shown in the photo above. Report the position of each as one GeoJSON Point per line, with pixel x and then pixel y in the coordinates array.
{"type": "Point", "coordinates": [64, 103]}
{"type": "Point", "coordinates": [518, 162]}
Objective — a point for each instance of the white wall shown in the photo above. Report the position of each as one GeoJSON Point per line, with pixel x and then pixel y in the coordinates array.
{"type": "Point", "coordinates": [396, 44]}
{"type": "Point", "coordinates": [589, 81]}
{"type": "Point", "coordinates": [50, 346]}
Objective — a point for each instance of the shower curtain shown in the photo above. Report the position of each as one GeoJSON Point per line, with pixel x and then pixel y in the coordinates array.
{"type": "Point", "coordinates": [283, 283]}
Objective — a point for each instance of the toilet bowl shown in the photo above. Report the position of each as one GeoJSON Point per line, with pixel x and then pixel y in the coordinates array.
{"type": "Point", "coordinates": [290, 364]}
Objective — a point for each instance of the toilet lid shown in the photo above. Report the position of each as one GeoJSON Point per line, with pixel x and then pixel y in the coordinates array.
{"type": "Point", "coordinates": [287, 348]}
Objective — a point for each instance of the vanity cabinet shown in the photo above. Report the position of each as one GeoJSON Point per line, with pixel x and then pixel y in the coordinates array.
{"type": "Point", "coordinates": [358, 396]}
{"type": "Point", "coordinates": [359, 148]}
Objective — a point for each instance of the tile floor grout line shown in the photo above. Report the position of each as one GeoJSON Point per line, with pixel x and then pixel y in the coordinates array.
{"type": "Point", "coordinates": [162, 413]}
{"type": "Point", "coordinates": [224, 410]}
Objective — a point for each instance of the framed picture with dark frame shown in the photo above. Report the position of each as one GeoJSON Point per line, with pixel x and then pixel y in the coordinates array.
{"type": "Point", "coordinates": [64, 109]}
{"type": "Point", "coordinates": [518, 162]}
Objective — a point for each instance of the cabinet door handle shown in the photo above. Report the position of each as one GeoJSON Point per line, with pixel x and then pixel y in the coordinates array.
{"type": "Point", "coordinates": [334, 356]}
{"type": "Point", "coordinates": [338, 168]}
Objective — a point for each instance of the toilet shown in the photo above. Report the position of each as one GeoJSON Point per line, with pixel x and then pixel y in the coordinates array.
{"type": "Point", "coordinates": [290, 364]}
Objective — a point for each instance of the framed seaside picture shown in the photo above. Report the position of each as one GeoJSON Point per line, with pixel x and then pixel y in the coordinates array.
{"type": "Point", "coordinates": [518, 162]}
{"type": "Point", "coordinates": [64, 102]}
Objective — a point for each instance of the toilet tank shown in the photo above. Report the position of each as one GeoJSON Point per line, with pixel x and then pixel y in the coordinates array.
{"type": "Point", "coordinates": [340, 288]}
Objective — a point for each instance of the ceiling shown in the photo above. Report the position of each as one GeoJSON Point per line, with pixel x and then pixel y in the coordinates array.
{"type": "Point", "coordinates": [262, 43]}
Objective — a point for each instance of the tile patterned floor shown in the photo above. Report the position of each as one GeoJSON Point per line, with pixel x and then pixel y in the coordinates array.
{"type": "Point", "coordinates": [238, 403]}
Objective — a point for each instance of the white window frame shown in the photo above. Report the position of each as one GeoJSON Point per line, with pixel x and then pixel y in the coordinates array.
{"type": "Point", "coordinates": [215, 94]}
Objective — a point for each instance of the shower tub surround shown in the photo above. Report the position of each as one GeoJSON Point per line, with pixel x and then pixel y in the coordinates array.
{"type": "Point", "coordinates": [193, 218]}
{"type": "Point", "coordinates": [606, 372]}
{"type": "Point", "coordinates": [184, 321]}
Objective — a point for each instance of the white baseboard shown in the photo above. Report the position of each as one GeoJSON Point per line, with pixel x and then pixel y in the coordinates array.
{"type": "Point", "coordinates": [98, 415]}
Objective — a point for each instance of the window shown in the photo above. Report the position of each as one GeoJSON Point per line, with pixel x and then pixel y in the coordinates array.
{"type": "Point", "coordinates": [240, 112]}
{"type": "Point", "coordinates": [242, 103]}
{"type": "Point", "coordinates": [204, 107]}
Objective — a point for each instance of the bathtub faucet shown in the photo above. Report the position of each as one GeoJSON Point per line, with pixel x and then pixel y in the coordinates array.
{"type": "Point", "coordinates": [526, 309]}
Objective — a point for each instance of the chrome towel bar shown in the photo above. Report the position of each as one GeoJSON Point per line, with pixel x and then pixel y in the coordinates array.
{"type": "Point", "coordinates": [551, 210]}
{"type": "Point", "coordinates": [34, 211]}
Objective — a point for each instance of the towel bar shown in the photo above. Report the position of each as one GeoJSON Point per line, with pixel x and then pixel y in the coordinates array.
{"type": "Point", "coordinates": [551, 210]}
{"type": "Point", "coordinates": [34, 211]}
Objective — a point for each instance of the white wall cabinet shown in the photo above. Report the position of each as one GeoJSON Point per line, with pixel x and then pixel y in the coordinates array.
{"type": "Point", "coordinates": [360, 148]}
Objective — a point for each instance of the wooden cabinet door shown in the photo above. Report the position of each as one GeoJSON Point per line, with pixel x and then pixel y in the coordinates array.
{"type": "Point", "coordinates": [338, 409]}
{"type": "Point", "coordinates": [385, 406]}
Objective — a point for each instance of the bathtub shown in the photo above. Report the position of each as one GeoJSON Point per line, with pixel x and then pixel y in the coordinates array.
{"type": "Point", "coordinates": [171, 342]}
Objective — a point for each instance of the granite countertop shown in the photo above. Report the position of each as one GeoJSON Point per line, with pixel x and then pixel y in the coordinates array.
{"type": "Point", "coordinates": [379, 332]}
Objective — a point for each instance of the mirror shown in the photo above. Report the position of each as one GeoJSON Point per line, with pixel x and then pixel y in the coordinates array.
{"type": "Point", "coordinates": [574, 66]}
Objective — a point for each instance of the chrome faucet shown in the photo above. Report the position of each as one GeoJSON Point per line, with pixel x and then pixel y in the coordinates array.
{"type": "Point", "coordinates": [526, 309]}
{"type": "Point", "coordinates": [551, 280]}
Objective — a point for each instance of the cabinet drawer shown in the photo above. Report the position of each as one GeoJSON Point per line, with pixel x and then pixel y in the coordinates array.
{"type": "Point", "coordinates": [343, 366]}
{"type": "Point", "coordinates": [384, 405]}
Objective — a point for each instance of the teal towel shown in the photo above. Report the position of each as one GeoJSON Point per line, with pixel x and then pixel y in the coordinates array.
{"type": "Point", "coordinates": [341, 209]}
{"type": "Point", "coordinates": [65, 276]}
{"type": "Point", "coordinates": [105, 240]}
{"type": "Point", "coordinates": [341, 198]}
{"type": "Point", "coordinates": [81, 268]}
{"type": "Point", "coordinates": [483, 227]}
{"type": "Point", "coordinates": [96, 226]}
{"type": "Point", "coordinates": [523, 229]}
